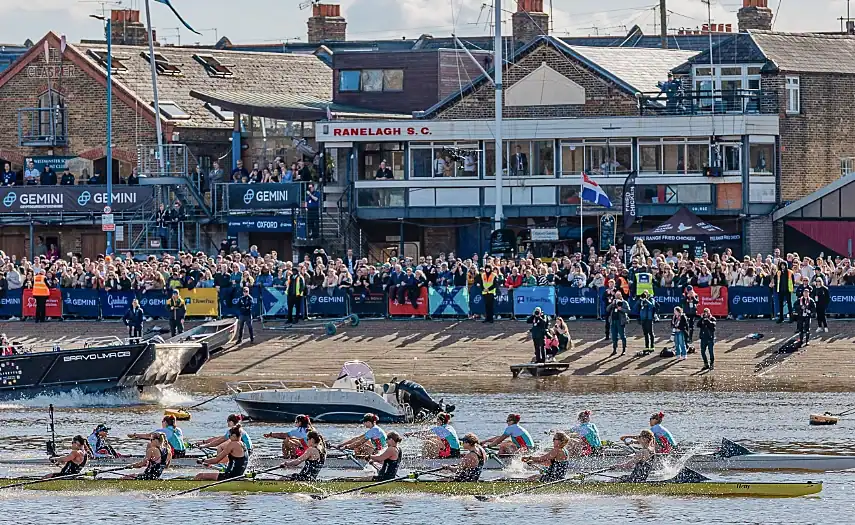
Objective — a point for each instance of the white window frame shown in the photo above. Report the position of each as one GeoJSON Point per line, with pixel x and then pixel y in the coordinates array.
{"type": "Point", "coordinates": [793, 88]}
{"type": "Point", "coordinates": [847, 166]}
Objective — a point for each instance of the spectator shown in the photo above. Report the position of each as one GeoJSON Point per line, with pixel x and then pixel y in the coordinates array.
{"type": "Point", "coordinates": [618, 312]}
{"type": "Point", "coordinates": [31, 174]}
{"type": "Point", "coordinates": [215, 176]}
{"type": "Point", "coordinates": [539, 322]}
{"type": "Point", "coordinates": [239, 174]}
{"type": "Point", "coordinates": [134, 319]}
{"type": "Point", "coordinates": [690, 310]}
{"type": "Point", "coordinates": [646, 316]}
{"type": "Point", "coordinates": [304, 171]}
{"type": "Point", "coordinates": [384, 172]}
{"type": "Point", "coordinates": [706, 333]}
{"type": "Point", "coordinates": [562, 332]}
{"type": "Point", "coordinates": [9, 178]}
{"type": "Point", "coordinates": [177, 311]}
{"type": "Point", "coordinates": [782, 286]}
{"type": "Point", "coordinates": [47, 177]}
{"type": "Point", "coordinates": [806, 308]}
{"type": "Point", "coordinates": [244, 306]}
{"type": "Point", "coordinates": [67, 179]}
{"type": "Point", "coordinates": [679, 333]}
{"type": "Point", "coordinates": [313, 211]}
{"type": "Point", "coordinates": [822, 298]}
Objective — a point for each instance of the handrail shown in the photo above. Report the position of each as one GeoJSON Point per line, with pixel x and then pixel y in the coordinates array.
{"type": "Point", "coordinates": [691, 102]}
{"type": "Point", "coordinates": [267, 384]}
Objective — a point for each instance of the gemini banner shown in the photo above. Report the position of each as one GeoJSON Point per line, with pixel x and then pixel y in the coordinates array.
{"type": "Point", "coordinates": [575, 301]}
{"type": "Point", "coordinates": [328, 302]}
{"type": "Point", "coordinates": [79, 302]}
{"type": "Point", "coordinates": [73, 199]}
{"type": "Point", "coordinates": [504, 304]}
{"type": "Point", "coordinates": [10, 303]}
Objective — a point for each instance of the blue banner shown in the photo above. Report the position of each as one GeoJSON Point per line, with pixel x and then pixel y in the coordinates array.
{"type": "Point", "coordinates": [580, 302]}
{"type": "Point", "coordinates": [370, 304]}
{"type": "Point", "coordinates": [229, 299]}
{"type": "Point", "coordinates": [115, 304]}
{"type": "Point", "coordinates": [527, 298]}
{"type": "Point", "coordinates": [269, 224]}
{"type": "Point", "coordinates": [842, 300]}
{"type": "Point", "coordinates": [749, 300]}
{"type": "Point", "coordinates": [274, 301]}
{"type": "Point", "coordinates": [666, 299]}
{"type": "Point", "coordinates": [504, 301]}
{"type": "Point", "coordinates": [11, 303]}
{"type": "Point", "coordinates": [328, 302]}
{"type": "Point", "coordinates": [153, 303]}
{"type": "Point", "coordinates": [79, 302]}
{"type": "Point", "coordinates": [448, 301]}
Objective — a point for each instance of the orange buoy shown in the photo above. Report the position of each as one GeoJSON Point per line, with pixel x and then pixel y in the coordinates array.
{"type": "Point", "coordinates": [824, 419]}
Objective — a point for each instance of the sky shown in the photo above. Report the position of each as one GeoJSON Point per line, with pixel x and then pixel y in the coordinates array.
{"type": "Point", "coordinates": [283, 20]}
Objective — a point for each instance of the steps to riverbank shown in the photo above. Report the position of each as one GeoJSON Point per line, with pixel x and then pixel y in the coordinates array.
{"type": "Point", "coordinates": [462, 356]}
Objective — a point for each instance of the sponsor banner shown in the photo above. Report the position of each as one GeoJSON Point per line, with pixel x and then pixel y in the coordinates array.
{"type": "Point", "coordinates": [328, 302]}
{"type": "Point", "coordinates": [842, 300]}
{"type": "Point", "coordinates": [714, 298]}
{"type": "Point", "coordinates": [229, 298]}
{"type": "Point", "coordinates": [504, 301]}
{"type": "Point", "coordinates": [10, 303]}
{"type": "Point", "coordinates": [73, 199]}
{"type": "Point", "coordinates": [372, 304]}
{"type": "Point", "coordinates": [115, 304]}
{"type": "Point", "coordinates": [274, 301]}
{"type": "Point", "coordinates": [749, 300]}
{"type": "Point", "coordinates": [153, 303]}
{"type": "Point", "coordinates": [448, 300]}
{"type": "Point", "coordinates": [201, 302]}
{"type": "Point", "coordinates": [271, 196]}
{"type": "Point", "coordinates": [666, 299]}
{"type": "Point", "coordinates": [53, 307]}
{"type": "Point", "coordinates": [527, 298]}
{"type": "Point", "coordinates": [406, 308]}
{"type": "Point", "coordinates": [581, 302]}
{"type": "Point", "coordinates": [270, 224]}
{"type": "Point", "coordinates": [77, 302]}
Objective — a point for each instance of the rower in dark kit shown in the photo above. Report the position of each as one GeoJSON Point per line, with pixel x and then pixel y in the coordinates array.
{"type": "Point", "coordinates": [235, 451]}
{"type": "Point", "coordinates": [158, 455]}
{"type": "Point", "coordinates": [313, 459]}
{"type": "Point", "coordinates": [389, 459]}
{"type": "Point", "coordinates": [173, 436]}
{"type": "Point", "coordinates": [557, 460]}
{"type": "Point", "coordinates": [74, 461]}
{"type": "Point", "coordinates": [642, 462]}
{"type": "Point", "coordinates": [295, 441]}
{"type": "Point", "coordinates": [472, 464]}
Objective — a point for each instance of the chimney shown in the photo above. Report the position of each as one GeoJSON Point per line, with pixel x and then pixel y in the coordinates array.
{"type": "Point", "coordinates": [126, 28]}
{"type": "Point", "coordinates": [755, 14]}
{"type": "Point", "coordinates": [529, 22]}
{"type": "Point", "coordinates": [327, 24]}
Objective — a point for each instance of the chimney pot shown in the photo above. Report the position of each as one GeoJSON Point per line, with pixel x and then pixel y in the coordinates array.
{"type": "Point", "coordinates": [755, 14]}
{"type": "Point", "coordinates": [326, 24]}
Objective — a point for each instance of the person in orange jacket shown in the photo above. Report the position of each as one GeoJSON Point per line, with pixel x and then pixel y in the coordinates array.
{"type": "Point", "coordinates": [41, 292]}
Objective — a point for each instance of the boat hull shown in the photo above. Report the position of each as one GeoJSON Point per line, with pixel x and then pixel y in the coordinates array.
{"type": "Point", "coordinates": [487, 488]}
{"type": "Point", "coordinates": [322, 405]}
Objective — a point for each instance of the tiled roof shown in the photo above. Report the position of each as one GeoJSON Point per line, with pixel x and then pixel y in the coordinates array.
{"type": "Point", "coordinates": [271, 73]}
{"type": "Point", "coordinates": [736, 49]}
{"type": "Point", "coordinates": [808, 52]}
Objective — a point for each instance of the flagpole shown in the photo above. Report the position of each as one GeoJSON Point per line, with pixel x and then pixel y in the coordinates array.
{"type": "Point", "coordinates": [581, 216]}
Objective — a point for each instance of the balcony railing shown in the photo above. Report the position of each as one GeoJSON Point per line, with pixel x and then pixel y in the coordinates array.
{"type": "Point", "coordinates": [707, 102]}
{"type": "Point", "coordinates": [43, 126]}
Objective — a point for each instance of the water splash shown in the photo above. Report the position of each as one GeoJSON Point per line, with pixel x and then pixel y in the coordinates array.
{"type": "Point", "coordinates": [164, 396]}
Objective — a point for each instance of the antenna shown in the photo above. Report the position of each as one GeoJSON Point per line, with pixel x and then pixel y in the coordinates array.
{"type": "Point", "coordinates": [216, 33]}
{"type": "Point", "coordinates": [104, 4]}
{"type": "Point", "coordinates": [177, 34]}
{"type": "Point", "coordinates": [307, 4]}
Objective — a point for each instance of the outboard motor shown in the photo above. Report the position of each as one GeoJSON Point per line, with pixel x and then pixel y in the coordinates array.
{"type": "Point", "coordinates": [417, 397]}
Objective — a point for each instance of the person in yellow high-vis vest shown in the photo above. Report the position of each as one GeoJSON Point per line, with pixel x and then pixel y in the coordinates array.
{"type": "Point", "coordinates": [41, 292]}
{"type": "Point", "coordinates": [296, 293]}
{"type": "Point", "coordinates": [488, 292]}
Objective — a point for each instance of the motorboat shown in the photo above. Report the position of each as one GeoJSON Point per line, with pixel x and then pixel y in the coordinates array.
{"type": "Point", "coordinates": [353, 394]}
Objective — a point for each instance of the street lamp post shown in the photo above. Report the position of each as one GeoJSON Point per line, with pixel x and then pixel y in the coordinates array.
{"type": "Point", "coordinates": [108, 150]}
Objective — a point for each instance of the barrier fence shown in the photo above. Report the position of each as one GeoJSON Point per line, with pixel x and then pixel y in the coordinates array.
{"type": "Point", "coordinates": [449, 301]}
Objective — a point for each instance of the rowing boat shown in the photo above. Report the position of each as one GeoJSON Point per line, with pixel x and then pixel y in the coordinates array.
{"type": "Point", "coordinates": [485, 488]}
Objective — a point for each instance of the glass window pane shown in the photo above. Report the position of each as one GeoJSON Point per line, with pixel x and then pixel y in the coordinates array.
{"type": "Point", "coordinates": [731, 71]}
{"type": "Point", "coordinates": [754, 70]}
{"type": "Point", "coordinates": [702, 71]}
{"type": "Point", "coordinates": [380, 197]}
{"type": "Point", "coordinates": [762, 159]}
{"type": "Point", "coordinates": [674, 158]}
{"type": "Point", "coordinates": [421, 160]}
{"type": "Point", "coordinates": [519, 153]}
{"type": "Point", "coordinates": [621, 159]}
{"type": "Point", "coordinates": [569, 195]}
{"type": "Point", "coordinates": [543, 158]}
{"type": "Point", "coordinates": [697, 158]}
{"type": "Point", "coordinates": [572, 160]}
{"type": "Point", "coordinates": [650, 158]}
{"type": "Point", "coordinates": [348, 81]}
{"type": "Point", "coordinates": [674, 193]}
{"type": "Point", "coordinates": [731, 158]}
{"type": "Point", "coordinates": [372, 80]}
{"type": "Point", "coordinates": [393, 79]}
{"type": "Point", "coordinates": [445, 162]}
{"type": "Point", "coordinates": [471, 163]}
{"type": "Point", "coordinates": [595, 158]}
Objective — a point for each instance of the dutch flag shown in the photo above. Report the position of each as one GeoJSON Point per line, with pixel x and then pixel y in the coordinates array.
{"type": "Point", "coordinates": [593, 193]}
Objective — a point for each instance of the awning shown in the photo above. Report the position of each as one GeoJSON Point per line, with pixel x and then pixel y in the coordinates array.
{"type": "Point", "coordinates": [685, 226]}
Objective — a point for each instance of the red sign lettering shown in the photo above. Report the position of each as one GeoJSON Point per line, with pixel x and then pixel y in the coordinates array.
{"type": "Point", "coordinates": [380, 132]}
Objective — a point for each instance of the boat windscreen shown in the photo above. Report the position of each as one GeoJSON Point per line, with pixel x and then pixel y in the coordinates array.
{"type": "Point", "coordinates": [357, 370]}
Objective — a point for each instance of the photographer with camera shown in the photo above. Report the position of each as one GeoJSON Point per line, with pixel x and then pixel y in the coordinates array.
{"type": "Point", "coordinates": [618, 313]}
{"type": "Point", "coordinates": [539, 323]}
{"type": "Point", "coordinates": [646, 316]}
{"type": "Point", "coordinates": [706, 332]}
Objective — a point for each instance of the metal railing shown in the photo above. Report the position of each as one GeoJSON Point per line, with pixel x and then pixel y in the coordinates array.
{"type": "Point", "coordinates": [708, 102]}
{"type": "Point", "coordinates": [43, 126]}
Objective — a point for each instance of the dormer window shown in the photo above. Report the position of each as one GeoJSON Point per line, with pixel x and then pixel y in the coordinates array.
{"type": "Point", "coordinates": [101, 56]}
{"type": "Point", "coordinates": [213, 66]}
{"type": "Point", "coordinates": [162, 64]}
{"type": "Point", "coordinates": [172, 111]}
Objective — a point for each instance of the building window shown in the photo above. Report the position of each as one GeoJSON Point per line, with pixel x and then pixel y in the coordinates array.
{"type": "Point", "coordinates": [674, 194]}
{"type": "Point", "coordinates": [116, 61]}
{"type": "Point", "coordinates": [608, 159]}
{"type": "Point", "coordinates": [213, 66]}
{"type": "Point", "coordinates": [650, 158]}
{"type": "Point", "coordinates": [51, 114]}
{"type": "Point", "coordinates": [731, 159]}
{"type": "Point", "coordinates": [794, 105]}
{"type": "Point", "coordinates": [453, 159]}
{"type": "Point", "coordinates": [173, 111]}
{"type": "Point", "coordinates": [393, 80]}
{"type": "Point", "coordinates": [223, 114]}
{"type": "Point", "coordinates": [762, 159]}
{"type": "Point", "coordinates": [570, 195]}
{"type": "Point", "coordinates": [372, 80]}
{"type": "Point", "coordinates": [572, 159]}
{"type": "Point", "coordinates": [349, 80]}
{"type": "Point", "coordinates": [522, 158]}
{"type": "Point", "coordinates": [162, 64]}
{"type": "Point", "coordinates": [847, 166]}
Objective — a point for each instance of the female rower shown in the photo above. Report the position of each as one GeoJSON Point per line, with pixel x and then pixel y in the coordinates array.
{"type": "Point", "coordinates": [157, 457]}
{"type": "Point", "coordinates": [642, 461]}
{"type": "Point", "coordinates": [312, 459]}
{"type": "Point", "coordinates": [371, 442]}
{"type": "Point", "coordinates": [588, 442]}
{"type": "Point", "coordinates": [74, 462]}
{"type": "Point", "coordinates": [520, 439]}
{"type": "Point", "coordinates": [470, 467]}
{"type": "Point", "coordinates": [663, 440]}
{"type": "Point", "coordinates": [235, 450]}
{"type": "Point", "coordinates": [557, 460]}
{"type": "Point", "coordinates": [440, 441]}
{"type": "Point", "coordinates": [294, 442]}
{"type": "Point", "coordinates": [232, 421]}
{"type": "Point", "coordinates": [389, 459]}
{"type": "Point", "coordinates": [174, 436]}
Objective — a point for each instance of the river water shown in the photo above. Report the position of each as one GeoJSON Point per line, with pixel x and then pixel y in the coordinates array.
{"type": "Point", "coordinates": [764, 422]}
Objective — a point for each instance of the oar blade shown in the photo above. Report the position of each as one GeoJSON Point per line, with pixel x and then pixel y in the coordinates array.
{"type": "Point", "coordinates": [486, 499]}
{"type": "Point", "coordinates": [317, 497]}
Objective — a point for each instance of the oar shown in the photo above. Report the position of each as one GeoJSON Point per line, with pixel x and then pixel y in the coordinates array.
{"type": "Point", "coordinates": [197, 405]}
{"type": "Point", "coordinates": [352, 457]}
{"type": "Point", "coordinates": [92, 473]}
{"type": "Point", "coordinates": [539, 486]}
{"type": "Point", "coordinates": [239, 478]}
{"type": "Point", "coordinates": [414, 475]}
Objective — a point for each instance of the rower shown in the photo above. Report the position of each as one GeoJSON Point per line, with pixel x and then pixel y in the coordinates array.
{"type": "Point", "coordinates": [389, 459]}
{"type": "Point", "coordinates": [441, 441]}
{"type": "Point", "coordinates": [174, 436]}
{"type": "Point", "coordinates": [470, 467]}
{"type": "Point", "coordinates": [663, 440]}
{"type": "Point", "coordinates": [294, 442]}
{"type": "Point", "coordinates": [97, 446]}
{"type": "Point", "coordinates": [235, 451]}
{"type": "Point", "coordinates": [232, 421]}
{"type": "Point", "coordinates": [158, 455]}
{"type": "Point", "coordinates": [312, 459]}
{"type": "Point", "coordinates": [557, 460]}
{"type": "Point", "coordinates": [589, 442]}
{"type": "Point", "coordinates": [520, 439]}
{"type": "Point", "coordinates": [74, 462]}
{"type": "Point", "coordinates": [642, 461]}
{"type": "Point", "coordinates": [371, 442]}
